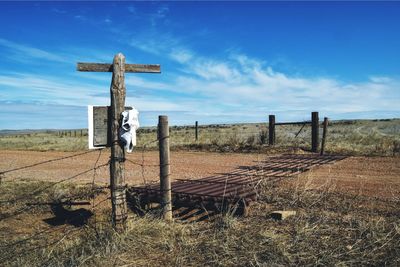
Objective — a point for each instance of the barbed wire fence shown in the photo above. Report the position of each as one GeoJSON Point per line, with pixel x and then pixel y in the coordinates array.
{"type": "Point", "coordinates": [37, 240]}
{"type": "Point", "coordinates": [142, 164]}
{"type": "Point", "coordinates": [21, 203]}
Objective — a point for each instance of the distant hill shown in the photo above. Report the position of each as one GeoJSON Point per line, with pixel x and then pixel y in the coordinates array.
{"type": "Point", "coordinates": [29, 131]}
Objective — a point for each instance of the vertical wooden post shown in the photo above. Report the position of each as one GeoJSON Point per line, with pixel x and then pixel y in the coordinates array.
{"type": "Point", "coordinates": [165, 182]}
{"type": "Point", "coordinates": [314, 131]}
{"type": "Point", "coordinates": [325, 129]}
{"type": "Point", "coordinates": [81, 133]}
{"type": "Point", "coordinates": [117, 174]}
{"type": "Point", "coordinates": [196, 133]}
{"type": "Point", "coordinates": [271, 128]}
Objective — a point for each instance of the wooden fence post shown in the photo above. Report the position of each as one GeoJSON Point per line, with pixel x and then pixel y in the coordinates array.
{"type": "Point", "coordinates": [271, 128]}
{"type": "Point", "coordinates": [314, 131]}
{"type": "Point", "coordinates": [117, 166]}
{"type": "Point", "coordinates": [325, 129]}
{"type": "Point", "coordinates": [196, 133]}
{"type": "Point", "coordinates": [165, 182]}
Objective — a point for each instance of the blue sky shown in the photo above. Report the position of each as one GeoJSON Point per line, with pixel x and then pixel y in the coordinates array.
{"type": "Point", "coordinates": [221, 62]}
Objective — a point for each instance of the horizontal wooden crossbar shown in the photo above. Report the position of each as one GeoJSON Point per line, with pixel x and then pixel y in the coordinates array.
{"type": "Point", "coordinates": [105, 67]}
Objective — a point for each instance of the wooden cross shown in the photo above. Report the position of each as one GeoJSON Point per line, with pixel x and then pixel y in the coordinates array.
{"type": "Point", "coordinates": [118, 92]}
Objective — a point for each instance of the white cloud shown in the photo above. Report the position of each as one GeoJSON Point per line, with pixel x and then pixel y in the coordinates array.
{"type": "Point", "coordinates": [154, 104]}
{"type": "Point", "coordinates": [80, 17]}
{"type": "Point", "coordinates": [49, 89]}
{"type": "Point", "coordinates": [59, 11]}
{"type": "Point", "coordinates": [238, 86]}
{"type": "Point", "coordinates": [380, 79]}
{"type": "Point", "coordinates": [213, 70]}
{"type": "Point", "coordinates": [155, 43]}
{"type": "Point", "coordinates": [24, 52]}
{"type": "Point", "coordinates": [181, 55]}
{"type": "Point", "coordinates": [250, 84]}
{"type": "Point", "coordinates": [159, 15]}
{"type": "Point", "coordinates": [136, 81]}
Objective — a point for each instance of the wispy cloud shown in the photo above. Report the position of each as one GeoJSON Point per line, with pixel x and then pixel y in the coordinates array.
{"type": "Point", "coordinates": [108, 20]}
{"type": "Point", "coordinates": [59, 10]}
{"type": "Point", "coordinates": [159, 15]}
{"type": "Point", "coordinates": [81, 92]}
{"type": "Point", "coordinates": [48, 89]}
{"type": "Point", "coordinates": [250, 83]}
{"type": "Point", "coordinates": [243, 83]}
{"type": "Point", "coordinates": [231, 87]}
{"type": "Point", "coordinates": [181, 55]}
{"type": "Point", "coordinates": [80, 17]}
{"type": "Point", "coordinates": [155, 43]}
{"type": "Point", "coordinates": [24, 52]}
{"type": "Point", "coordinates": [208, 86]}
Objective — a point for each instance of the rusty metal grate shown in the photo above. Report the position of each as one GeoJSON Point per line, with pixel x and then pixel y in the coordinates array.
{"type": "Point", "coordinates": [238, 186]}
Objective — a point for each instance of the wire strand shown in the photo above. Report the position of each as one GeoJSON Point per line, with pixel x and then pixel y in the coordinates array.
{"type": "Point", "coordinates": [47, 161]}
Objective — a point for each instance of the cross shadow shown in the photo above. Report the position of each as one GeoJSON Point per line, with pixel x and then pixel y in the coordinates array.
{"type": "Point", "coordinates": [77, 218]}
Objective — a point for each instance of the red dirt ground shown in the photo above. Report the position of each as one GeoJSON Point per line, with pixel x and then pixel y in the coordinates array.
{"type": "Point", "coordinates": [372, 176]}
{"type": "Point", "coordinates": [376, 176]}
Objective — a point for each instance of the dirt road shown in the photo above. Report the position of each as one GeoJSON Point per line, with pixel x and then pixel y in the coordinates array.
{"type": "Point", "coordinates": [379, 176]}
{"type": "Point", "coordinates": [183, 165]}
{"type": "Point", "coordinates": [373, 176]}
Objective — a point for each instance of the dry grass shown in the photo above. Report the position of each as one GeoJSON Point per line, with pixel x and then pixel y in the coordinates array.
{"type": "Point", "coordinates": [355, 137]}
{"type": "Point", "coordinates": [330, 229]}
{"type": "Point", "coordinates": [45, 141]}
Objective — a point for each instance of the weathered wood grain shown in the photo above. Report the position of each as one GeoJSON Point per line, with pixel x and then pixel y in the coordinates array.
{"type": "Point", "coordinates": [101, 130]}
{"type": "Point", "coordinates": [324, 132]}
{"type": "Point", "coordinates": [271, 130]}
{"type": "Point", "coordinates": [105, 67]}
{"type": "Point", "coordinates": [118, 92]}
{"type": "Point", "coordinates": [314, 131]}
{"type": "Point", "coordinates": [117, 165]}
{"type": "Point", "coordinates": [165, 181]}
{"type": "Point", "coordinates": [196, 133]}
{"type": "Point", "coordinates": [102, 126]}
